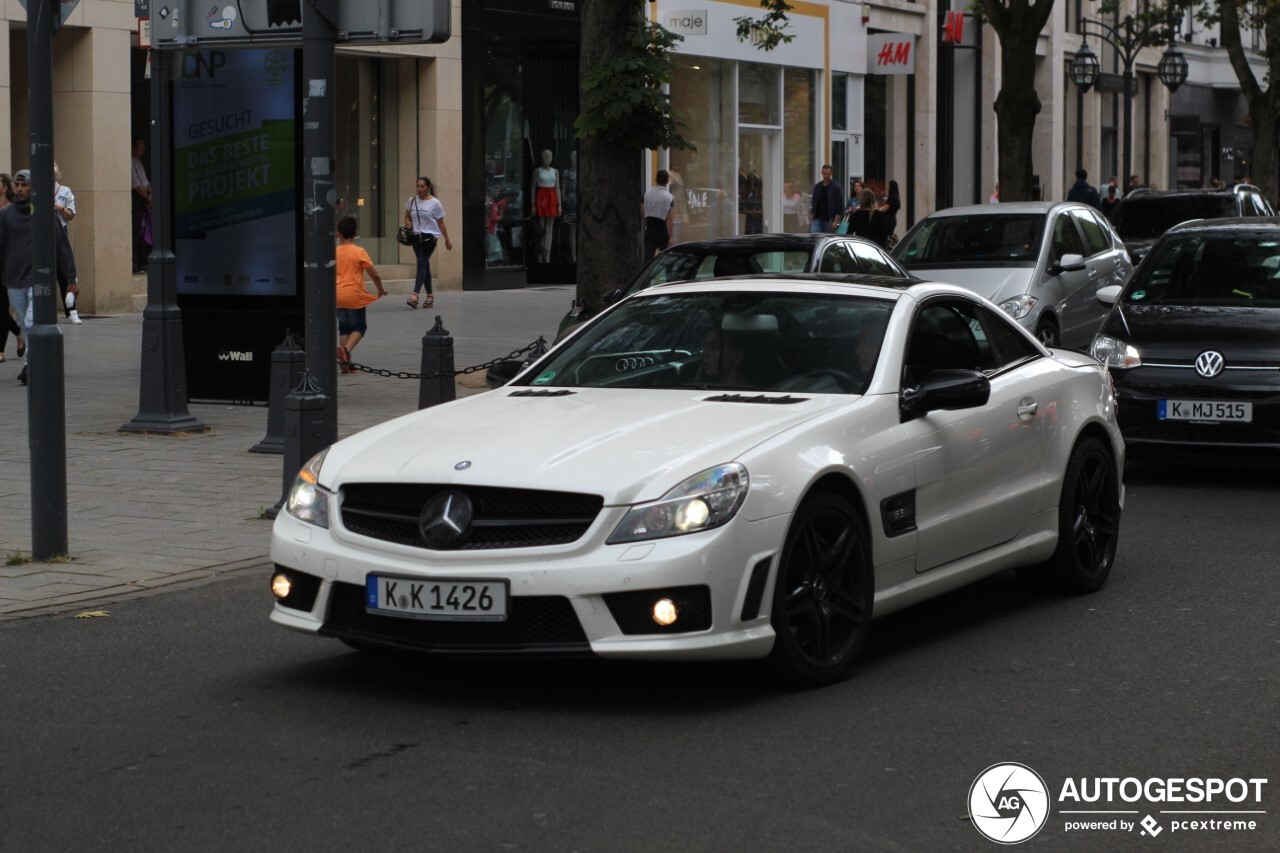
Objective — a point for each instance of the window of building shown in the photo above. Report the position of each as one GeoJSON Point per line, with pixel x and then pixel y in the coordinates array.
{"type": "Point", "coordinates": [366, 131]}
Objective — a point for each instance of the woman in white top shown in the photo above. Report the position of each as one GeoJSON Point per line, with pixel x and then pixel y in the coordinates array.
{"type": "Point", "coordinates": [424, 213]}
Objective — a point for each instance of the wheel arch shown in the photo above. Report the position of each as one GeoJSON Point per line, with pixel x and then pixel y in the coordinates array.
{"type": "Point", "coordinates": [843, 485]}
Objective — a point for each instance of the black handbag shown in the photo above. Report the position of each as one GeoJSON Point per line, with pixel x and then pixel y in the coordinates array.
{"type": "Point", "coordinates": [405, 236]}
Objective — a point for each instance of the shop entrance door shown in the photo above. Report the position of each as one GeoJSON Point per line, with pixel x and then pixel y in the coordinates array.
{"type": "Point", "coordinates": [759, 193]}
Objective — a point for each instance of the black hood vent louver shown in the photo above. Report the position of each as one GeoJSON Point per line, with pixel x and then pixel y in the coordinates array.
{"type": "Point", "coordinates": [542, 392]}
{"type": "Point", "coordinates": [785, 400]}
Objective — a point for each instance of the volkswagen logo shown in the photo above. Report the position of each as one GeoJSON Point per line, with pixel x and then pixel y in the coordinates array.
{"type": "Point", "coordinates": [445, 519]}
{"type": "Point", "coordinates": [1209, 364]}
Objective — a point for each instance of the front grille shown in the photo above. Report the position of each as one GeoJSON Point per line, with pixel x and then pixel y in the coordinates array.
{"type": "Point", "coordinates": [535, 624]}
{"type": "Point", "coordinates": [503, 518]}
{"type": "Point", "coordinates": [1189, 433]}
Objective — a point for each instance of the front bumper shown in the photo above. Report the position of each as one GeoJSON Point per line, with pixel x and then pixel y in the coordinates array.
{"type": "Point", "coordinates": [585, 598]}
{"type": "Point", "coordinates": [1139, 391]}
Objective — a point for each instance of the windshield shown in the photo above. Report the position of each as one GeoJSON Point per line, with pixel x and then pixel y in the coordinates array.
{"type": "Point", "coordinates": [1148, 217]}
{"type": "Point", "coordinates": [792, 342]}
{"type": "Point", "coordinates": [978, 239]}
{"type": "Point", "coordinates": [1226, 269]}
{"type": "Point", "coordinates": [679, 264]}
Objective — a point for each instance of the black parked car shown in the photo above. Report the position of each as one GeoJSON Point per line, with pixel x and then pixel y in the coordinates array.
{"type": "Point", "coordinates": [1144, 215]}
{"type": "Point", "coordinates": [1193, 341]}
{"type": "Point", "coordinates": [735, 256]}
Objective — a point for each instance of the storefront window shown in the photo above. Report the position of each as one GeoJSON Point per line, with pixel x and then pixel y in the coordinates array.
{"type": "Point", "coordinates": [839, 102]}
{"type": "Point", "coordinates": [758, 94]}
{"type": "Point", "coordinates": [504, 155]}
{"type": "Point", "coordinates": [704, 181]}
{"type": "Point", "coordinates": [799, 141]}
{"type": "Point", "coordinates": [366, 134]}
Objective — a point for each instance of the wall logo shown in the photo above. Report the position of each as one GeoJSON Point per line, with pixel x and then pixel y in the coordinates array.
{"type": "Point", "coordinates": [1009, 803]}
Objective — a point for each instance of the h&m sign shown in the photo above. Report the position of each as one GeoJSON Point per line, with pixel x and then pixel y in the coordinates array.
{"type": "Point", "coordinates": [891, 53]}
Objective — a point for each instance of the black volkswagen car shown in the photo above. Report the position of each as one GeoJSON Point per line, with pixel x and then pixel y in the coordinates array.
{"type": "Point", "coordinates": [1193, 340]}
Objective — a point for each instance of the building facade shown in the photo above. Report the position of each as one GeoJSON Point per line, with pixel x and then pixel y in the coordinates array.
{"type": "Point", "coordinates": [883, 91]}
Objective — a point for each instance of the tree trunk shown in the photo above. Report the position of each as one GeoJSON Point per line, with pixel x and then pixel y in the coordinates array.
{"type": "Point", "coordinates": [1017, 24]}
{"type": "Point", "coordinates": [610, 173]}
{"type": "Point", "coordinates": [1264, 104]}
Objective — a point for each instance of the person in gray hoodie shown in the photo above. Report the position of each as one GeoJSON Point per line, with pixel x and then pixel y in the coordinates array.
{"type": "Point", "coordinates": [15, 253]}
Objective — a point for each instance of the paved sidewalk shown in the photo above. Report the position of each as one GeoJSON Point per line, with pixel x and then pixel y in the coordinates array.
{"type": "Point", "coordinates": [151, 511]}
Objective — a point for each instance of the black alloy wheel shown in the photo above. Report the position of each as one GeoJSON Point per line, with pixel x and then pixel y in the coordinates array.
{"type": "Point", "coordinates": [1088, 522]}
{"type": "Point", "coordinates": [823, 594]}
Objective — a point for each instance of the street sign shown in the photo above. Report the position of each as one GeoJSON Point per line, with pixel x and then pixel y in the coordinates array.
{"type": "Point", "coordinates": [259, 22]}
{"type": "Point", "coordinates": [144, 32]}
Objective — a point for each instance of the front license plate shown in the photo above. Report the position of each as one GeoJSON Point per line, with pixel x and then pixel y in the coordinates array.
{"type": "Point", "coordinates": [1192, 410]}
{"type": "Point", "coordinates": [444, 599]}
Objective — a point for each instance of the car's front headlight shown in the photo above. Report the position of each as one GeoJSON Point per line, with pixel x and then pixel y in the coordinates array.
{"type": "Point", "coordinates": [1019, 306]}
{"type": "Point", "coordinates": [703, 501]}
{"type": "Point", "coordinates": [1114, 352]}
{"type": "Point", "coordinates": [308, 500]}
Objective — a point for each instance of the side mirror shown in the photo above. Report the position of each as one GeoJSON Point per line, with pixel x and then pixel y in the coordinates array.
{"type": "Point", "coordinates": [611, 297]}
{"type": "Point", "coordinates": [944, 389]}
{"type": "Point", "coordinates": [1109, 294]}
{"type": "Point", "coordinates": [1070, 262]}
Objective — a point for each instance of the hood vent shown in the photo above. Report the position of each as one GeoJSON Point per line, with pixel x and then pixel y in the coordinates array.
{"type": "Point", "coordinates": [785, 400]}
{"type": "Point", "coordinates": [542, 392]}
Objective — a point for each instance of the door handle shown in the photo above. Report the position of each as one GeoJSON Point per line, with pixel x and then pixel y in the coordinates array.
{"type": "Point", "coordinates": [1027, 408]}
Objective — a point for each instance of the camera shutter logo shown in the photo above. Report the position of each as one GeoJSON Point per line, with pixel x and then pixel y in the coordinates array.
{"type": "Point", "coordinates": [1009, 803]}
{"type": "Point", "coordinates": [1209, 364]}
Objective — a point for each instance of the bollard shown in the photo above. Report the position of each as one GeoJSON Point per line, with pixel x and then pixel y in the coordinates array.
{"type": "Point", "coordinates": [287, 362]}
{"type": "Point", "coordinates": [305, 416]}
{"type": "Point", "coordinates": [437, 367]}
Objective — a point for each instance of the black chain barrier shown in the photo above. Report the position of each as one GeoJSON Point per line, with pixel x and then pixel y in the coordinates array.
{"type": "Point", "coordinates": [538, 347]}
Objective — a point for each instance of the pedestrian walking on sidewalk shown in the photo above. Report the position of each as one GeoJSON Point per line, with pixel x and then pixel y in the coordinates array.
{"type": "Point", "coordinates": [352, 264]}
{"type": "Point", "coordinates": [424, 214]}
{"type": "Point", "coordinates": [7, 323]}
{"type": "Point", "coordinates": [15, 253]}
{"type": "Point", "coordinates": [64, 204]}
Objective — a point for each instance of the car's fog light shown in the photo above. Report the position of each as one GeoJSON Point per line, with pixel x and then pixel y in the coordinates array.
{"type": "Point", "coordinates": [665, 612]}
{"type": "Point", "coordinates": [281, 586]}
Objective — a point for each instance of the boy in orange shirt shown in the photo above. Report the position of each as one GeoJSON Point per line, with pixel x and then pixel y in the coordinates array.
{"type": "Point", "coordinates": [352, 262]}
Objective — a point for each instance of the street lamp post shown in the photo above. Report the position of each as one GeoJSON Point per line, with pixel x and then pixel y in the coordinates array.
{"type": "Point", "coordinates": [1128, 38]}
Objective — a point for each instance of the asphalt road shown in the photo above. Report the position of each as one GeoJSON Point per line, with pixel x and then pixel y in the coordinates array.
{"type": "Point", "coordinates": [185, 721]}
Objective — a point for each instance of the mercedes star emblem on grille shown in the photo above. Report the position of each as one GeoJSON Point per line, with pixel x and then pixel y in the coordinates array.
{"type": "Point", "coordinates": [1209, 364]}
{"type": "Point", "coordinates": [445, 519]}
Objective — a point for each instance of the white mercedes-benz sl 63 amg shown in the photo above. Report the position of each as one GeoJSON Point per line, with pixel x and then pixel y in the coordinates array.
{"type": "Point", "coordinates": [736, 468]}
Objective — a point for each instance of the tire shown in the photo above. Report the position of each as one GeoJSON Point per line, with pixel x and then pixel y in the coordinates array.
{"type": "Point", "coordinates": [823, 594]}
{"type": "Point", "coordinates": [1088, 523]}
{"type": "Point", "coordinates": [1047, 333]}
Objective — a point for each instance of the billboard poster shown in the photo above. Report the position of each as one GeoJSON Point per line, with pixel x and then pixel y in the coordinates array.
{"type": "Point", "coordinates": [234, 163]}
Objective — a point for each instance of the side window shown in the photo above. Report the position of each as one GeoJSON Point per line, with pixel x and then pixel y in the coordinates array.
{"type": "Point", "coordinates": [1008, 346]}
{"type": "Point", "coordinates": [942, 338]}
{"type": "Point", "coordinates": [1095, 239]}
{"type": "Point", "coordinates": [836, 259]}
{"type": "Point", "coordinates": [1066, 240]}
{"type": "Point", "coordinates": [871, 260]}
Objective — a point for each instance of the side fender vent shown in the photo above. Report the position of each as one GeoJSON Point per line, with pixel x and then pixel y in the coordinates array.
{"type": "Point", "coordinates": [898, 513]}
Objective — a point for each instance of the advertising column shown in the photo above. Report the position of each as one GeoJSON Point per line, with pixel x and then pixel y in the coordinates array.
{"type": "Point", "coordinates": [236, 216]}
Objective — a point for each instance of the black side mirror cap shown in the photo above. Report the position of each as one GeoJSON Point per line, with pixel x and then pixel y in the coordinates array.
{"type": "Point", "coordinates": [944, 389]}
